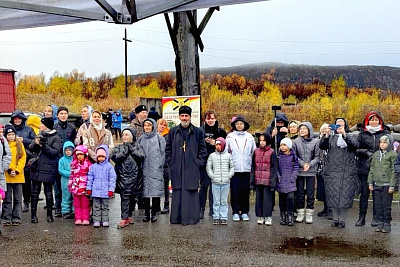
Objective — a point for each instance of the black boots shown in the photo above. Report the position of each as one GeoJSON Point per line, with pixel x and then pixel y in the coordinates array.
{"type": "Point", "coordinates": [50, 215]}
{"type": "Point", "coordinates": [201, 213]}
{"type": "Point", "coordinates": [153, 216]}
{"type": "Point", "coordinates": [283, 218]}
{"type": "Point", "coordinates": [290, 219]}
{"type": "Point", "coordinates": [25, 207]}
{"type": "Point", "coordinates": [166, 208]}
{"type": "Point", "coordinates": [361, 220]}
{"type": "Point", "coordinates": [34, 209]}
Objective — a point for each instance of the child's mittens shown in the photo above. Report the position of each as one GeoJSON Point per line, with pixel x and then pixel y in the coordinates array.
{"type": "Point", "coordinates": [89, 192]}
{"type": "Point", "coordinates": [110, 193]}
{"type": "Point", "coordinates": [391, 190]}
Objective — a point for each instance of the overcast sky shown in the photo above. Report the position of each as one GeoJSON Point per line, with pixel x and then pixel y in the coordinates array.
{"type": "Point", "coordinates": [315, 32]}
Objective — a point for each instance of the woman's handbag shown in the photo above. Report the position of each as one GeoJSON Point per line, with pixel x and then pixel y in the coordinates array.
{"type": "Point", "coordinates": [33, 162]}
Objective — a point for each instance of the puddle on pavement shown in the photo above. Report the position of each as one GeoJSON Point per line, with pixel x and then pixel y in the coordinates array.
{"type": "Point", "coordinates": [327, 247]}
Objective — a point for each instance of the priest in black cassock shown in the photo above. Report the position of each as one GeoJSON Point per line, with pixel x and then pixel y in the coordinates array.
{"type": "Point", "coordinates": [185, 153]}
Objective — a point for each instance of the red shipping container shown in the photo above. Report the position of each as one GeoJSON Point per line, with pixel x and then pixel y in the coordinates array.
{"type": "Point", "coordinates": [7, 90]}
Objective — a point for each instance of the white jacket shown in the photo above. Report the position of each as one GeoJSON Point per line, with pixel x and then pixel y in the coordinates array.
{"type": "Point", "coordinates": [241, 145]}
{"type": "Point", "coordinates": [220, 167]}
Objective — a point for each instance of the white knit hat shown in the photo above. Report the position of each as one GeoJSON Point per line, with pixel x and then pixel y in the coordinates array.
{"type": "Point", "coordinates": [287, 142]}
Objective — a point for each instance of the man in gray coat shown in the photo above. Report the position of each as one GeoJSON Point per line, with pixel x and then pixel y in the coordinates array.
{"type": "Point", "coordinates": [185, 153]}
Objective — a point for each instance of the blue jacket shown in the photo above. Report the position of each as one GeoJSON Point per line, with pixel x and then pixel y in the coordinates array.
{"type": "Point", "coordinates": [64, 164]}
{"type": "Point", "coordinates": [117, 119]}
{"type": "Point", "coordinates": [101, 177]}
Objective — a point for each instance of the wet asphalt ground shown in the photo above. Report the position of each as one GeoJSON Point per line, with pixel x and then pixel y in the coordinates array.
{"type": "Point", "coordinates": [161, 244]}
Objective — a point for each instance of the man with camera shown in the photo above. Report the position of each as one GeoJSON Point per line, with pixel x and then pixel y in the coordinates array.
{"type": "Point", "coordinates": [211, 133]}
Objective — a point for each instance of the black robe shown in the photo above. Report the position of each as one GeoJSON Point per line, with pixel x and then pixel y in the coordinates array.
{"type": "Point", "coordinates": [185, 153]}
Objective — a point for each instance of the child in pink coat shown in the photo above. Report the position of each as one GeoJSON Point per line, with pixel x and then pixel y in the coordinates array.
{"type": "Point", "coordinates": [77, 184]}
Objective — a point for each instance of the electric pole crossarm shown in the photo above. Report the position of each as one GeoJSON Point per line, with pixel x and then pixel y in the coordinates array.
{"type": "Point", "coordinates": [206, 18]}
{"type": "Point", "coordinates": [172, 33]}
{"type": "Point", "coordinates": [194, 30]}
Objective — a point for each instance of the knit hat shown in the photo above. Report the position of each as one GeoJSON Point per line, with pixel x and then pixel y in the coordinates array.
{"type": "Point", "coordinates": [140, 108]}
{"type": "Point", "coordinates": [81, 148]}
{"type": "Point", "coordinates": [128, 132]}
{"type": "Point", "coordinates": [185, 110]}
{"type": "Point", "coordinates": [385, 138]}
{"type": "Point", "coordinates": [61, 109]}
{"type": "Point", "coordinates": [9, 129]}
{"type": "Point", "coordinates": [287, 142]}
{"type": "Point", "coordinates": [242, 119]}
{"type": "Point", "coordinates": [1, 126]}
{"type": "Point", "coordinates": [101, 152]}
{"type": "Point", "coordinates": [221, 140]}
{"type": "Point", "coordinates": [132, 131]}
{"type": "Point", "coordinates": [48, 122]}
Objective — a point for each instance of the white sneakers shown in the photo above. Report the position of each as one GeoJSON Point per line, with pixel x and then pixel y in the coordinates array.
{"type": "Point", "coordinates": [266, 220]}
{"type": "Point", "coordinates": [245, 217]}
{"type": "Point", "coordinates": [300, 215]}
{"type": "Point", "coordinates": [309, 215]}
{"type": "Point", "coordinates": [236, 217]}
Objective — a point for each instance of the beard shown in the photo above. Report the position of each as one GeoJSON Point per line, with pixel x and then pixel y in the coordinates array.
{"type": "Point", "coordinates": [185, 124]}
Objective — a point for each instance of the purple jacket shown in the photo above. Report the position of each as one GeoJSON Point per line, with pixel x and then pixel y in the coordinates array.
{"type": "Point", "coordinates": [288, 169]}
{"type": "Point", "coordinates": [101, 177]}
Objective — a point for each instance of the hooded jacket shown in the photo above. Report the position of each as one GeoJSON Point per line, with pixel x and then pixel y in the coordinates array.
{"type": "Point", "coordinates": [288, 169]}
{"type": "Point", "coordinates": [64, 164]}
{"type": "Point", "coordinates": [280, 135]}
{"type": "Point", "coordinates": [382, 172]}
{"type": "Point", "coordinates": [241, 145]}
{"type": "Point", "coordinates": [220, 166]}
{"type": "Point", "coordinates": [307, 151]}
{"type": "Point", "coordinates": [128, 158]}
{"type": "Point", "coordinates": [16, 164]}
{"type": "Point", "coordinates": [54, 108]}
{"type": "Point", "coordinates": [101, 177]}
{"type": "Point", "coordinates": [368, 143]}
{"type": "Point", "coordinates": [23, 131]}
{"type": "Point", "coordinates": [117, 119]}
{"type": "Point", "coordinates": [79, 172]}
{"type": "Point", "coordinates": [154, 148]}
{"type": "Point", "coordinates": [47, 165]}
{"type": "Point", "coordinates": [340, 171]}
{"type": "Point", "coordinates": [33, 121]}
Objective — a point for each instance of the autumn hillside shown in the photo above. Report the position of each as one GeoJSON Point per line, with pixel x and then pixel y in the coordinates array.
{"type": "Point", "coordinates": [315, 101]}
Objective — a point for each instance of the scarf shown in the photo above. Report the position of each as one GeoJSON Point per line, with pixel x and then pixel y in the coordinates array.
{"type": "Point", "coordinates": [98, 127]}
{"type": "Point", "coordinates": [340, 142]}
{"type": "Point", "coordinates": [373, 130]}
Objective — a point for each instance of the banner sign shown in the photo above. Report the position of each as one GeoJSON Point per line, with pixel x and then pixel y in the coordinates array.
{"type": "Point", "coordinates": [171, 105]}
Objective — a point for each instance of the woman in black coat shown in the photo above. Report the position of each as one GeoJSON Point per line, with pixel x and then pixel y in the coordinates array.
{"type": "Point", "coordinates": [368, 143]}
{"type": "Point", "coordinates": [46, 147]}
{"type": "Point", "coordinates": [340, 173]}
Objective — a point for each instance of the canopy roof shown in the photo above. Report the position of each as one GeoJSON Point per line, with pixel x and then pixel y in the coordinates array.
{"type": "Point", "coordinates": [37, 13]}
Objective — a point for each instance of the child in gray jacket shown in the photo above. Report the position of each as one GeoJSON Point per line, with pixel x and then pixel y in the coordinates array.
{"type": "Point", "coordinates": [220, 169]}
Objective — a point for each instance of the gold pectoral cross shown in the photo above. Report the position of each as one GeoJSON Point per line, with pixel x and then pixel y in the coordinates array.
{"type": "Point", "coordinates": [184, 146]}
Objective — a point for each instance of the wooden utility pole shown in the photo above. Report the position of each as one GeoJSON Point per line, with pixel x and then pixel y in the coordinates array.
{"type": "Point", "coordinates": [126, 63]}
{"type": "Point", "coordinates": [186, 40]}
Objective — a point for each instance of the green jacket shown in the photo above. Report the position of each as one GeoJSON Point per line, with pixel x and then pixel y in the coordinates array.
{"type": "Point", "coordinates": [382, 172]}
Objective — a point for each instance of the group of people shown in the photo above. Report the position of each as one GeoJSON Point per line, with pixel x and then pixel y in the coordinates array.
{"type": "Point", "coordinates": [200, 163]}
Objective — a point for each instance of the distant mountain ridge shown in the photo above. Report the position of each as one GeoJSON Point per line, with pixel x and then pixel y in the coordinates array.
{"type": "Point", "coordinates": [382, 77]}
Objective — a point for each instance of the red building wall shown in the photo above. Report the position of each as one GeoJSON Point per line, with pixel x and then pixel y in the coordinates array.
{"type": "Point", "coordinates": [7, 91]}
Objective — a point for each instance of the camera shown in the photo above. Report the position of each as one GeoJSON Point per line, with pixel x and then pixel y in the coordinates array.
{"type": "Point", "coordinates": [209, 135]}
